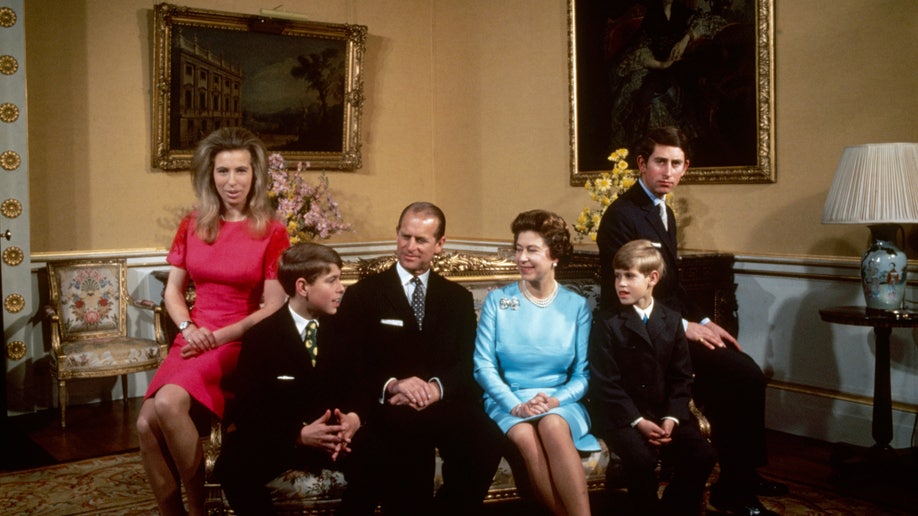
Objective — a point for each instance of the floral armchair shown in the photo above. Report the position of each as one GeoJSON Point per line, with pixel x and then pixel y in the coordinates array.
{"type": "Point", "coordinates": [88, 321]}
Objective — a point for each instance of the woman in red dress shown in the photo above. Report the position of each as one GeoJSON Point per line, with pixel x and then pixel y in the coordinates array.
{"type": "Point", "coordinates": [229, 247]}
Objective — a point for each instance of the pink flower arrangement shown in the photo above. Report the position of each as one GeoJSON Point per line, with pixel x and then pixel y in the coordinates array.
{"type": "Point", "coordinates": [309, 211]}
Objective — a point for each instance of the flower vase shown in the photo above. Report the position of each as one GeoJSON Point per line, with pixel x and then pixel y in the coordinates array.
{"type": "Point", "coordinates": [884, 268]}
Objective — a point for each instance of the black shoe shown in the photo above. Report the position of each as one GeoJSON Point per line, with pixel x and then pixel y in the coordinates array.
{"type": "Point", "coordinates": [729, 504]}
{"type": "Point", "coordinates": [765, 487]}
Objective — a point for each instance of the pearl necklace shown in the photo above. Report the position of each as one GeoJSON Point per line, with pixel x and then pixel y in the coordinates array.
{"type": "Point", "coordinates": [543, 302]}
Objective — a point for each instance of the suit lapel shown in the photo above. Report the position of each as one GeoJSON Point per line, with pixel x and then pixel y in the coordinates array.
{"type": "Point", "coordinates": [634, 324]}
{"type": "Point", "coordinates": [287, 332]}
{"type": "Point", "coordinates": [394, 295]}
{"type": "Point", "coordinates": [432, 307]}
{"type": "Point", "coordinates": [655, 326]}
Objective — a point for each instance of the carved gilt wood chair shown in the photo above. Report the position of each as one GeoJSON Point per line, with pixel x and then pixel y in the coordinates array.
{"type": "Point", "coordinates": [88, 322]}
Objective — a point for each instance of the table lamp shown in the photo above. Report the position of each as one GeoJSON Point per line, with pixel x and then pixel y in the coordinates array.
{"type": "Point", "coordinates": [877, 185]}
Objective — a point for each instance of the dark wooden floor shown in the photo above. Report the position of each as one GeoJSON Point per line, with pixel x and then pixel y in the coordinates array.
{"type": "Point", "coordinates": [36, 440]}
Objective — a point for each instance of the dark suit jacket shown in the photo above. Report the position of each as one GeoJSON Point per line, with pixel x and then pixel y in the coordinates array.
{"type": "Point", "coordinates": [633, 216]}
{"type": "Point", "coordinates": [376, 325]}
{"type": "Point", "coordinates": [637, 370]}
{"type": "Point", "coordinates": [277, 389]}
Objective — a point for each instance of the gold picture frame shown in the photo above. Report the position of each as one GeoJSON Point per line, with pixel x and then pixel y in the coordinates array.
{"type": "Point", "coordinates": [296, 84]}
{"type": "Point", "coordinates": [722, 96]}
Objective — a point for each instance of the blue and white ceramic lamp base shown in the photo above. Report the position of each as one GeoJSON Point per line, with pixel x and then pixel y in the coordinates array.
{"type": "Point", "coordinates": [884, 270]}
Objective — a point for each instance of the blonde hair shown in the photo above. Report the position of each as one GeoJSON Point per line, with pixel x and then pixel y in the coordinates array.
{"type": "Point", "coordinates": [641, 255]}
{"type": "Point", "coordinates": [258, 208]}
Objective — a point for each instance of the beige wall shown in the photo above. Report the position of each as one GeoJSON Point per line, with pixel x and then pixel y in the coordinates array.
{"type": "Point", "coordinates": [466, 106]}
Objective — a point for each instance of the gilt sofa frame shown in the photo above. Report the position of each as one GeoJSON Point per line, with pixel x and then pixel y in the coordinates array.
{"type": "Point", "coordinates": [708, 275]}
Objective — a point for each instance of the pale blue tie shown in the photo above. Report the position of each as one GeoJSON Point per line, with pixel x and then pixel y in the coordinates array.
{"type": "Point", "coordinates": [663, 215]}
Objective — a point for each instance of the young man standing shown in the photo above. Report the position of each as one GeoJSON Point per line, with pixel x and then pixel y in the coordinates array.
{"type": "Point", "coordinates": [729, 386]}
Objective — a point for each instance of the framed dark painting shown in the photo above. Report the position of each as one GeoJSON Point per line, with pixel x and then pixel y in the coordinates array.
{"type": "Point", "coordinates": [705, 66]}
{"type": "Point", "coordinates": [296, 84]}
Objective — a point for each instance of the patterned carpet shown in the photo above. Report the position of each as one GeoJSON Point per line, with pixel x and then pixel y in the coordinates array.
{"type": "Point", "coordinates": [116, 484]}
{"type": "Point", "coordinates": [807, 501]}
{"type": "Point", "coordinates": [106, 485]}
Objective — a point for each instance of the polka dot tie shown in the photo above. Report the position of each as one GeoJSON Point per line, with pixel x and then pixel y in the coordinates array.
{"type": "Point", "coordinates": [417, 301]}
{"type": "Point", "coordinates": [310, 341]}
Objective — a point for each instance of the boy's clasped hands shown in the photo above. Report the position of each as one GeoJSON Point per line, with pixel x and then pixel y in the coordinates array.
{"type": "Point", "coordinates": [657, 435]}
{"type": "Point", "coordinates": [331, 432]}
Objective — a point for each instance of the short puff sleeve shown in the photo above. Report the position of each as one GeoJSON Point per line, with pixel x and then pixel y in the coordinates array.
{"type": "Point", "coordinates": [278, 242]}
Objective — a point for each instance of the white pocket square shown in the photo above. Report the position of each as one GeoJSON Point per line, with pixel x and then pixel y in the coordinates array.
{"type": "Point", "coordinates": [285, 377]}
{"type": "Point", "coordinates": [392, 322]}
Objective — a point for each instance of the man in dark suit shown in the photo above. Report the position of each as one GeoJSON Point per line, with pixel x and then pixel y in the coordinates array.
{"type": "Point", "coordinates": [285, 414]}
{"type": "Point", "coordinates": [641, 385]}
{"type": "Point", "coordinates": [729, 385]}
{"type": "Point", "coordinates": [411, 346]}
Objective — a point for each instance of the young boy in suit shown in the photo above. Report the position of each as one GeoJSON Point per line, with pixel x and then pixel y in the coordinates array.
{"type": "Point", "coordinates": [641, 377]}
{"type": "Point", "coordinates": [285, 412]}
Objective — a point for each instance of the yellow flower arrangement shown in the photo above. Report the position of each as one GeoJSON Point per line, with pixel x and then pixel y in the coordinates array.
{"type": "Point", "coordinates": [604, 190]}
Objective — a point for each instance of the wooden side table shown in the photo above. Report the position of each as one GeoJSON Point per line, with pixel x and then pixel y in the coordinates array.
{"type": "Point", "coordinates": [880, 454]}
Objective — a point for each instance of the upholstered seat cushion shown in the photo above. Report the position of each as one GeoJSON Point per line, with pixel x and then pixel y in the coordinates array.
{"type": "Point", "coordinates": [296, 487]}
{"type": "Point", "coordinates": [111, 353]}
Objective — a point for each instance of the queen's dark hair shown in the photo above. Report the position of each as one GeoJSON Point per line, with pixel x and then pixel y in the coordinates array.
{"type": "Point", "coordinates": [551, 227]}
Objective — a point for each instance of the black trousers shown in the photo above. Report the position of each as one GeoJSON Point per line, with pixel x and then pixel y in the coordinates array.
{"type": "Point", "coordinates": [689, 456]}
{"type": "Point", "coordinates": [394, 459]}
{"type": "Point", "coordinates": [245, 466]}
{"type": "Point", "coordinates": [729, 389]}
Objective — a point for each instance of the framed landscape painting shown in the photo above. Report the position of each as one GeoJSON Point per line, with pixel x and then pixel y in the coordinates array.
{"type": "Point", "coordinates": [705, 66]}
{"type": "Point", "coordinates": [296, 84]}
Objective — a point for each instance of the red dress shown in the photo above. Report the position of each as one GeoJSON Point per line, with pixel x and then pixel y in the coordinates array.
{"type": "Point", "coordinates": [229, 278]}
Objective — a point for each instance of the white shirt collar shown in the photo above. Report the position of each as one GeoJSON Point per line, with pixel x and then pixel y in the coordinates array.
{"type": "Point", "coordinates": [656, 200]}
{"type": "Point", "coordinates": [405, 277]}
{"type": "Point", "coordinates": [300, 321]}
{"type": "Point", "coordinates": [647, 311]}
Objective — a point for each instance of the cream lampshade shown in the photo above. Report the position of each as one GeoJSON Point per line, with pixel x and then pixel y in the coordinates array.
{"type": "Point", "coordinates": [877, 185]}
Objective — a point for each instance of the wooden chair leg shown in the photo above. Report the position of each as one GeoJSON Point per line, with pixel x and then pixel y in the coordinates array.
{"type": "Point", "coordinates": [62, 399]}
{"type": "Point", "coordinates": [124, 386]}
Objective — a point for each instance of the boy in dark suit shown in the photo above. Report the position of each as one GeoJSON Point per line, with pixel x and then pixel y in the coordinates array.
{"type": "Point", "coordinates": [641, 377]}
{"type": "Point", "coordinates": [284, 414]}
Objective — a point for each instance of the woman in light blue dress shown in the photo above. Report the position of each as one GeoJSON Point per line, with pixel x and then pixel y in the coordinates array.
{"type": "Point", "coordinates": [531, 360]}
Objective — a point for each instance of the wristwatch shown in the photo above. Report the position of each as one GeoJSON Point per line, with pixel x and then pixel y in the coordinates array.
{"type": "Point", "coordinates": [184, 324]}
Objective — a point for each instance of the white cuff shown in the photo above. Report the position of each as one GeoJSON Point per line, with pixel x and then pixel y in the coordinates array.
{"type": "Point", "coordinates": [382, 399]}
{"type": "Point", "coordinates": [442, 392]}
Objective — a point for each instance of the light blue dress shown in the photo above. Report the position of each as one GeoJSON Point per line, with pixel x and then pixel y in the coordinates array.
{"type": "Point", "coordinates": [522, 349]}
